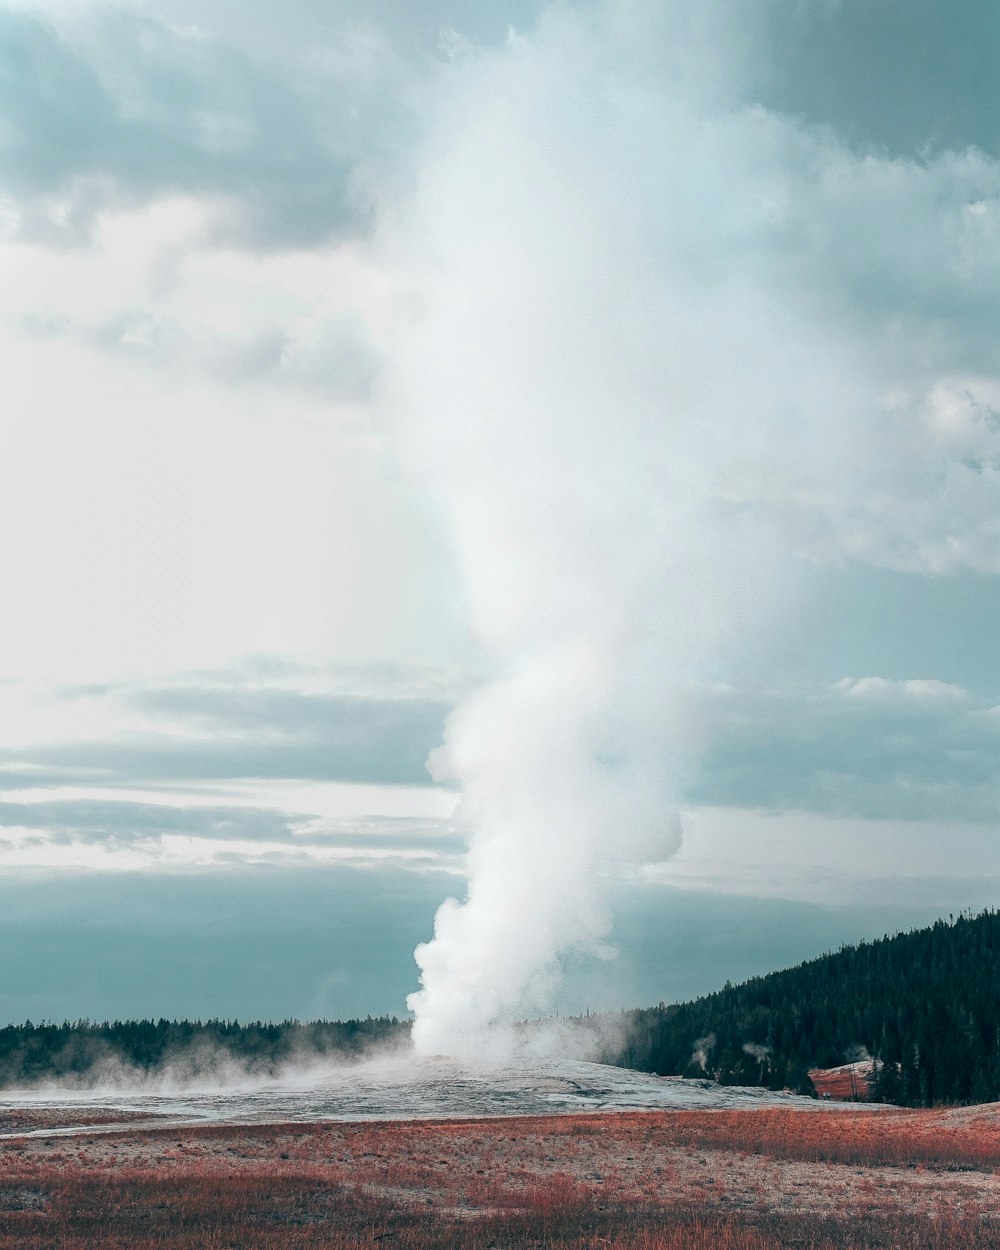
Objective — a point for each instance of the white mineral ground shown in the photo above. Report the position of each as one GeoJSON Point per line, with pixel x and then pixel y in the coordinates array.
{"type": "Point", "coordinates": [388, 1089]}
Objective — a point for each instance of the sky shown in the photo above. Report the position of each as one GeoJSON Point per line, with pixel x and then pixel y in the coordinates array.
{"type": "Point", "coordinates": [600, 401]}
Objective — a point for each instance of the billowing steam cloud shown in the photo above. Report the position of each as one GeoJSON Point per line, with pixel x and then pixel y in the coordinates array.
{"type": "Point", "coordinates": [663, 348]}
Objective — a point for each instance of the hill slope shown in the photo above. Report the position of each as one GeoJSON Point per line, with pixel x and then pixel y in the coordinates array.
{"type": "Point", "coordinates": [925, 1005]}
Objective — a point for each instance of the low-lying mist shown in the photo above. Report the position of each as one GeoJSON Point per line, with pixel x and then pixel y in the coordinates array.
{"type": "Point", "coordinates": [175, 1057]}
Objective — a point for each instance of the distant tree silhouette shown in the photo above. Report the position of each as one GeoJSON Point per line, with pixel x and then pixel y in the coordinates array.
{"type": "Point", "coordinates": [85, 1049]}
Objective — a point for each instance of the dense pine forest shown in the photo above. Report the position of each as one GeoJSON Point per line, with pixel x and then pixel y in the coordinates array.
{"type": "Point", "coordinates": [925, 1006]}
{"type": "Point", "coordinates": [86, 1051]}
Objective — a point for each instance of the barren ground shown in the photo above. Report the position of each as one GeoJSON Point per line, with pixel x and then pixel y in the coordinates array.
{"type": "Point", "coordinates": [753, 1179]}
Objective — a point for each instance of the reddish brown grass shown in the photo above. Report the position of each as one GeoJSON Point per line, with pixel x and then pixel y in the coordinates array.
{"type": "Point", "coordinates": [741, 1180]}
{"type": "Point", "coordinates": [886, 1138]}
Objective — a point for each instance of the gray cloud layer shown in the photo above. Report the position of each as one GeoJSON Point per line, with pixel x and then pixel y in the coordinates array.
{"type": "Point", "coordinates": [873, 748]}
{"type": "Point", "coordinates": [280, 116]}
{"type": "Point", "coordinates": [227, 758]}
{"type": "Point", "coordinates": [117, 822]}
{"type": "Point", "coordinates": [262, 734]}
{"type": "Point", "coordinates": [868, 748]}
{"type": "Point", "coordinates": [136, 110]}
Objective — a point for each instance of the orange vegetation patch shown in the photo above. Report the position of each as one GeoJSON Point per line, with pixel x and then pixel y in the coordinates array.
{"type": "Point", "coordinates": [725, 1180]}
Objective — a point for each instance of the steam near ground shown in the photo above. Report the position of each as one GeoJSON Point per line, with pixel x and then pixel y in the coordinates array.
{"type": "Point", "coordinates": [660, 360]}
{"type": "Point", "coordinates": [203, 1066]}
{"type": "Point", "coordinates": [535, 1068]}
{"type": "Point", "coordinates": [386, 1088]}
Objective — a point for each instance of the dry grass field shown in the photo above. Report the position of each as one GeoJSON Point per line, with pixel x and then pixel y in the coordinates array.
{"type": "Point", "coordinates": [722, 1180]}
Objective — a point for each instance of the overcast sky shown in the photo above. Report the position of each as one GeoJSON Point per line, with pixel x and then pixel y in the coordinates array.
{"type": "Point", "coordinates": [342, 350]}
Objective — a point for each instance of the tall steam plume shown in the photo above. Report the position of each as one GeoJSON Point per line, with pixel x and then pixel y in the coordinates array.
{"type": "Point", "coordinates": [638, 418]}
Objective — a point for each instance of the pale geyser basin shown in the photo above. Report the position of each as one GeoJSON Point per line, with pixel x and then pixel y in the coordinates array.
{"type": "Point", "coordinates": [387, 1089]}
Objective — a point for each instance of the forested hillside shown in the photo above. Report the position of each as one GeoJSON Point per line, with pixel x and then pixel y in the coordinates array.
{"type": "Point", "coordinates": [85, 1051]}
{"type": "Point", "coordinates": [924, 1005]}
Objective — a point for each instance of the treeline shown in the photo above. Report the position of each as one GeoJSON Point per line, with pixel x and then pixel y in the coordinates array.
{"type": "Point", "coordinates": [923, 1006]}
{"type": "Point", "coordinates": [82, 1051]}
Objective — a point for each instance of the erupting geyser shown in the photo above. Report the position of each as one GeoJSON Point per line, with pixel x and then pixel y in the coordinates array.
{"type": "Point", "coordinates": [638, 419]}
{"type": "Point", "coordinates": [560, 386]}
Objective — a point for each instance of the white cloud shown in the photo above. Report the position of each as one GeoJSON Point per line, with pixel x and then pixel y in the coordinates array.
{"type": "Point", "coordinates": [153, 525]}
{"type": "Point", "coordinates": [883, 688]}
{"type": "Point", "coordinates": [152, 290]}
